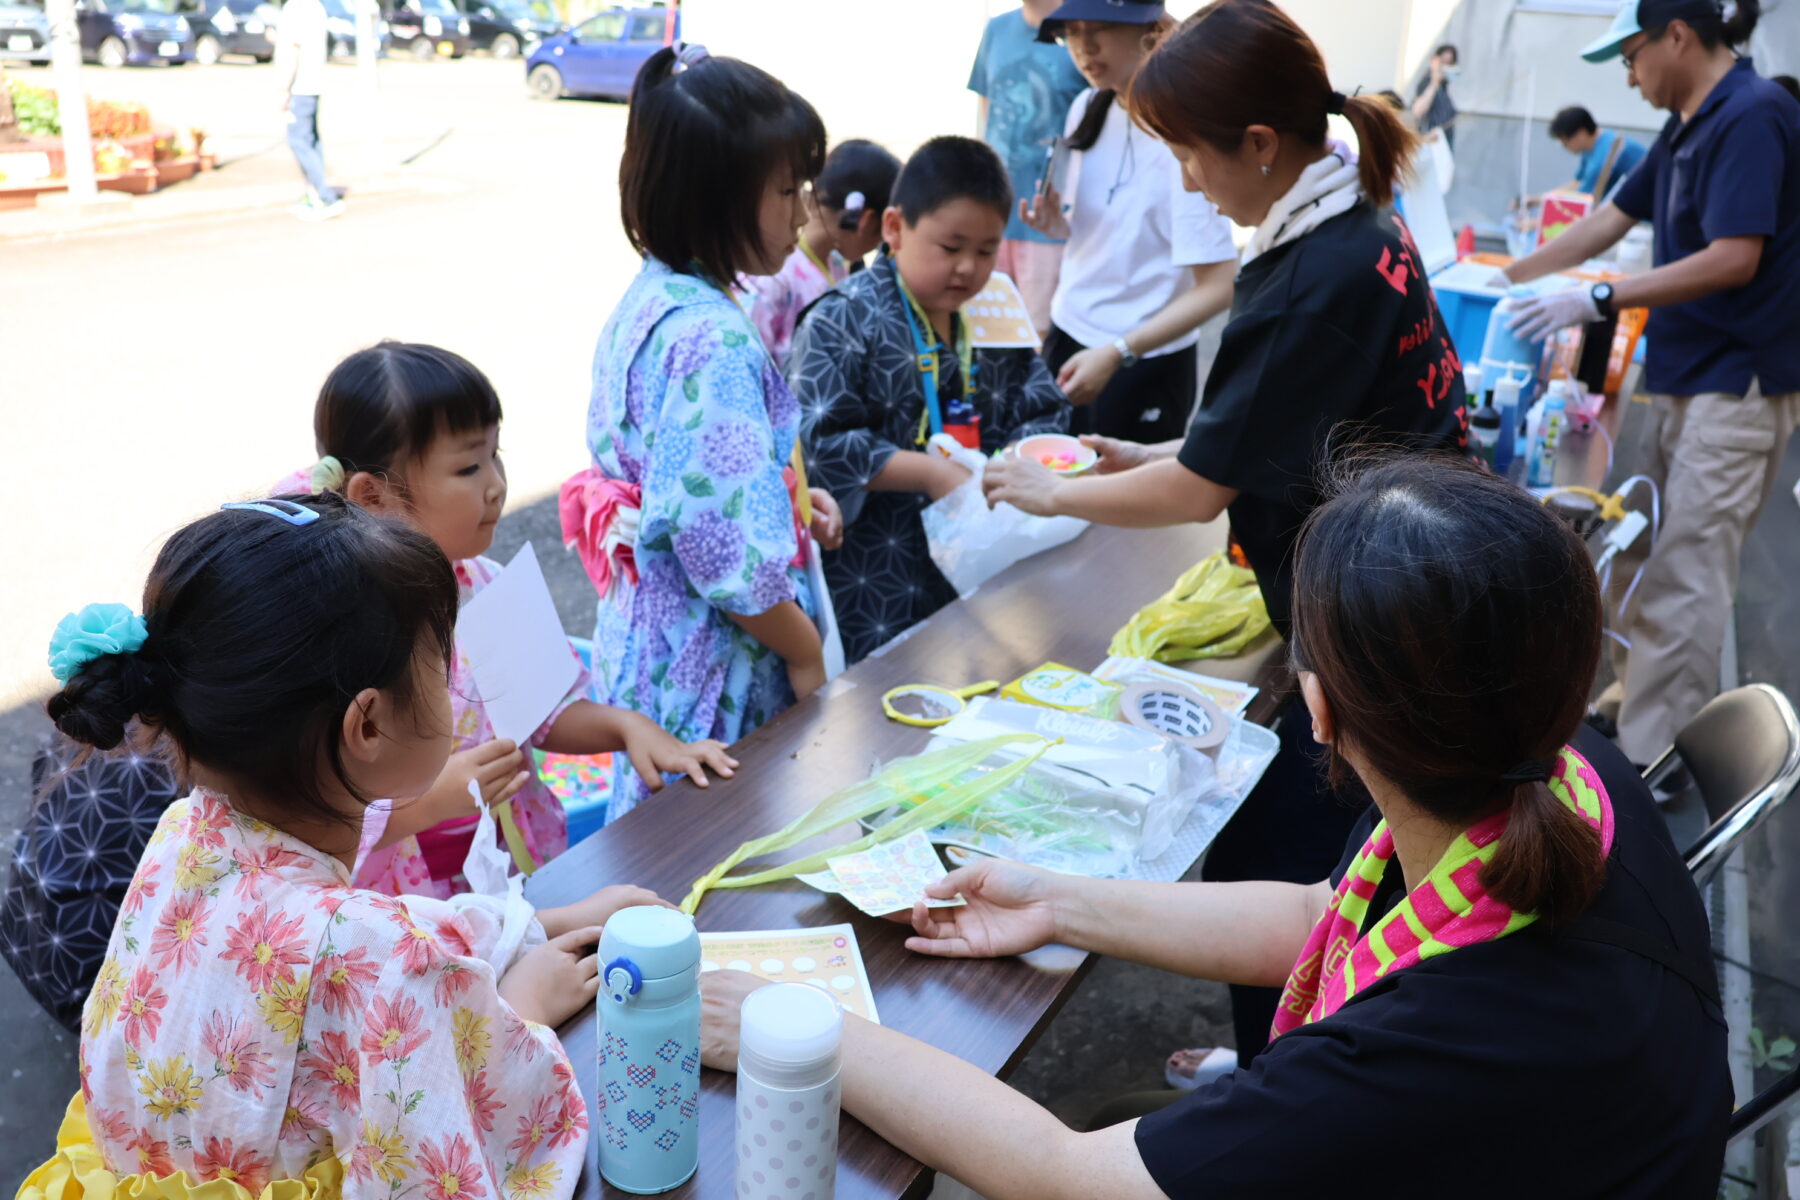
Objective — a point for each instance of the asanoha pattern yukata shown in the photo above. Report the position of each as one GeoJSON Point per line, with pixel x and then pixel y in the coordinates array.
{"type": "Point", "coordinates": [688, 405]}
{"type": "Point", "coordinates": [260, 1019]}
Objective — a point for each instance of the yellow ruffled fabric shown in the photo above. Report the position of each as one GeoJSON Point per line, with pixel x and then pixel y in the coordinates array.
{"type": "Point", "coordinates": [79, 1173]}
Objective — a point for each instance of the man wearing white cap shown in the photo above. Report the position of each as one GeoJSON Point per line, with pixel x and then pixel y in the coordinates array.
{"type": "Point", "coordinates": [1722, 185]}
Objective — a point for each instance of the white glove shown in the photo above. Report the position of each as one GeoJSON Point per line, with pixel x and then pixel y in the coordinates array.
{"type": "Point", "coordinates": [1539, 317]}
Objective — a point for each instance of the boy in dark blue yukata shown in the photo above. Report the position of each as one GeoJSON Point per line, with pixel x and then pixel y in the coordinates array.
{"type": "Point", "coordinates": [885, 361]}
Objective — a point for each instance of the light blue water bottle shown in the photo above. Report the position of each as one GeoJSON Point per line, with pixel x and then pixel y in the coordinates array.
{"type": "Point", "coordinates": [649, 1050]}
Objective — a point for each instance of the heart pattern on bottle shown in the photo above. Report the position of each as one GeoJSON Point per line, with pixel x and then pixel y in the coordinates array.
{"type": "Point", "coordinates": [640, 1120]}
{"type": "Point", "coordinates": [691, 1063]}
{"type": "Point", "coordinates": [614, 1092]}
{"type": "Point", "coordinates": [640, 1076]}
{"type": "Point", "coordinates": [690, 1108]}
{"type": "Point", "coordinates": [668, 1050]}
{"type": "Point", "coordinates": [667, 1139]}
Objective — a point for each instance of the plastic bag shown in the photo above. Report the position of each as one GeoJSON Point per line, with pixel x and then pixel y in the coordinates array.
{"type": "Point", "coordinates": [1215, 610]}
{"type": "Point", "coordinates": [1101, 800]}
{"type": "Point", "coordinates": [970, 542]}
{"type": "Point", "coordinates": [941, 783]}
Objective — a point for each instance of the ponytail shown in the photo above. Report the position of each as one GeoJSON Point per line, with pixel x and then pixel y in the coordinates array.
{"type": "Point", "coordinates": [1093, 120]}
{"type": "Point", "coordinates": [1548, 861]}
{"type": "Point", "coordinates": [1384, 144]}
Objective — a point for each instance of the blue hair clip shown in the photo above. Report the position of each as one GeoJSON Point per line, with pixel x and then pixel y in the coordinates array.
{"type": "Point", "coordinates": [286, 510]}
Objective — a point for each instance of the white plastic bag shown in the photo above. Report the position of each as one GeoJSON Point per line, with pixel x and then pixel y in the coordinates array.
{"type": "Point", "coordinates": [824, 611]}
{"type": "Point", "coordinates": [970, 542]}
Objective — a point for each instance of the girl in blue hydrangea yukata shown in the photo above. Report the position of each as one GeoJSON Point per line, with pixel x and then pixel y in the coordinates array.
{"type": "Point", "coordinates": [690, 521]}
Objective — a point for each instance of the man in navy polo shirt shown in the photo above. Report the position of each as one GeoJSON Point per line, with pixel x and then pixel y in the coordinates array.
{"type": "Point", "coordinates": [1722, 185]}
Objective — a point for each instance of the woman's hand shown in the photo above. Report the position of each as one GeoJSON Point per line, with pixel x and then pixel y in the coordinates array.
{"type": "Point", "coordinates": [722, 996]}
{"type": "Point", "coordinates": [552, 982]}
{"type": "Point", "coordinates": [1086, 374]}
{"type": "Point", "coordinates": [1011, 908]}
{"type": "Point", "coordinates": [656, 752]}
{"type": "Point", "coordinates": [1116, 455]}
{"type": "Point", "coordinates": [828, 520]}
{"type": "Point", "coordinates": [1023, 483]}
{"type": "Point", "coordinates": [1046, 215]}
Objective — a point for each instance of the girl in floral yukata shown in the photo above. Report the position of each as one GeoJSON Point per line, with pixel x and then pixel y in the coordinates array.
{"type": "Point", "coordinates": [259, 1021]}
{"type": "Point", "coordinates": [706, 624]}
{"type": "Point", "coordinates": [413, 431]}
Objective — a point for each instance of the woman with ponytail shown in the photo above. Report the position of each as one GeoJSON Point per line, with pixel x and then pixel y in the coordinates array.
{"type": "Point", "coordinates": [1504, 988]}
{"type": "Point", "coordinates": [1333, 325]}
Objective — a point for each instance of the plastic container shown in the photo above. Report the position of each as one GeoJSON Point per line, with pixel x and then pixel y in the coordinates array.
{"type": "Point", "coordinates": [1505, 352]}
{"type": "Point", "coordinates": [788, 1093]}
{"type": "Point", "coordinates": [649, 1008]}
{"type": "Point", "coordinates": [1506, 408]}
{"type": "Point", "coordinates": [1548, 418]}
{"type": "Point", "coordinates": [1484, 433]}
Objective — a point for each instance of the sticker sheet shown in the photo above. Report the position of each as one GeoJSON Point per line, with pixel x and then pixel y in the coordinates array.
{"type": "Point", "coordinates": [826, 957]}
{"type": "Point", "coordinates": [886, 878]}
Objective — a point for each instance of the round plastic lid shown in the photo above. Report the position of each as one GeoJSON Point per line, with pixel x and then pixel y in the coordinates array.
{"type": "Point", "coordinates": [791, 1027]}
{"type": "Point", "coordinates": [661, 941]}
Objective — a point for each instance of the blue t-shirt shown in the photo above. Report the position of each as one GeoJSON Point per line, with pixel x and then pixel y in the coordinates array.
{"type": "Point", "coordinates": [1587, 170]}
{"type": "Point", "coordinates": [1029, 87]}
{"type": "Point", "coordinates": [1731, 171]}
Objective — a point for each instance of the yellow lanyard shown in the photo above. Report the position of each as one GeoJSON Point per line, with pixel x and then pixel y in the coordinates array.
{"type": "Point", "coordinates": [823, 269]}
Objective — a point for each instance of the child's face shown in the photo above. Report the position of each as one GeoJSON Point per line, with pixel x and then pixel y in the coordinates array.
{"type": "Point", "coordinates": [454, 492]}
{"type": "Point", "coordinates": [947, 257]}
{"type": "Point", "coordinates": [778, 220]}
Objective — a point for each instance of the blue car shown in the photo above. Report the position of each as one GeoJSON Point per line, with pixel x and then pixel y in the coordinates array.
{"type": "Point", "coordinates": [600, 56]}
{"type": "Point", "coordinates": [118, 33]}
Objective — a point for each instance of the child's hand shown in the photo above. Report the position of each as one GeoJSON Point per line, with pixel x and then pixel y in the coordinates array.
{"type": "Point", "coordinates": [1116, 455]}
{"type": "Point", "coordinates": [497, 767]}
{"type": "Point", "coordinates": [655, 752]}
{"type": "Point", "coordinates": [596, 910]}
{"type": "Point", "coordinates": [1086, 374]}
{"type": "Point", "coordinates": [946, 478]}
{"type": "Point", "coordinates": [828, 520]}
{"type": "Point", "coordinates": [1046, 216]}
{"type": "Point", "coordinates": [556, 980]}
{"type": "Point", "coordinates": [722, 996]}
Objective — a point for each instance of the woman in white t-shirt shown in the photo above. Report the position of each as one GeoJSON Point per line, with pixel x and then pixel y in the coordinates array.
{"type": "Point", "coordinates": [1147, 262]}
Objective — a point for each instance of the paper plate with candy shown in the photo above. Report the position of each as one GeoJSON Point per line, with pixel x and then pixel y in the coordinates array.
{"type": "Point", "coordinates": [1058, 451]}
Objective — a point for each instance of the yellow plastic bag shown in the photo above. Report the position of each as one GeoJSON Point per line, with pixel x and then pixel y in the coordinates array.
{"type": "Point", "coordinates": [1213, 611]}
{"type": "Point", "coordinates": [919, 779]}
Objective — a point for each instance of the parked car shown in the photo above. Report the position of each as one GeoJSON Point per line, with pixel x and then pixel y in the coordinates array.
{"type": "Point", "coordinates": [427, 29]}
{"type": "Point", "coordinates": [24, 33]}
{"type": "Point", "coordinates": [600, 56]}
{"type": "Point", "coordinates": [224, 27]}
{"type": "Point", "coordinates": [509, 28]}
{"type": "Point", "coordinates": [118, 33]}
{"type": "Point", "coordinates": [340, 27]}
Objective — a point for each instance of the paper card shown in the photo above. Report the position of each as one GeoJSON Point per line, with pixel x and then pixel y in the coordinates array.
{"type": "Point", "coordinates": [515, 647]}
{"type": "Point", "coordinates": [826, 957]}
{"type": "Point", "coordinates": [1228, 694]}
{"type": "Point", "coordinates": [885, 878]}
{"type": "Point", "coordinates": [997, 317]}
{"type": "Point", "coordinates": [1561, 210]}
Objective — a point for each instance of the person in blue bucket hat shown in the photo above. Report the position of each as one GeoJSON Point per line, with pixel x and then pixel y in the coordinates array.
{"type": "Point", "coordinates": [1722, 186]}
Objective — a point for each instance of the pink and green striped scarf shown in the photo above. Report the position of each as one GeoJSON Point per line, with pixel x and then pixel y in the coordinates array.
{"type": "Point", "coordinates": [1449, 910]}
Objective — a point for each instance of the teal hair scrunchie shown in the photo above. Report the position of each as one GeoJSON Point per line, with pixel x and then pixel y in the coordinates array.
{"type": "Point", "coordinates": [95, 631]}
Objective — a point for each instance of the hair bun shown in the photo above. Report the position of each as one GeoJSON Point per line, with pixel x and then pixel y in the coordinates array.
{"type": "Point", "coordinates": [104, 697]}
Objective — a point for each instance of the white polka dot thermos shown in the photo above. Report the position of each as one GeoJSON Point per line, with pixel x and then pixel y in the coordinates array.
{"type": "Point", "coordinates": [649, 1097]}
{"type": "Point", "coordinates": [787, 1094]}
